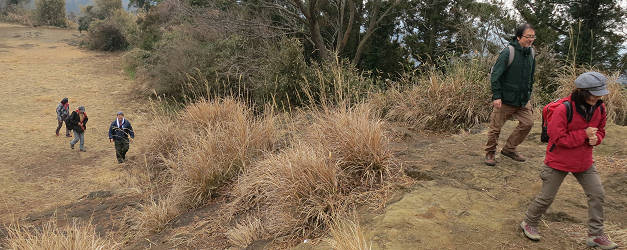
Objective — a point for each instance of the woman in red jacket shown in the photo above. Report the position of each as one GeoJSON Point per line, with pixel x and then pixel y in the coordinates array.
{"type": "Point", "coordinates": [570, 151]}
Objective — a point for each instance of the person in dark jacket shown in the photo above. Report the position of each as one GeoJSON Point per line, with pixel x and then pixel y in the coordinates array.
{"type": "Point", "coordinates": [78, 122]}
{"type": "Point", "coordinates": [511, 89]}
{"type": "Point", "coordinates": [63, 113]}
{"type": "Point", "coordinates": [119, 132]}
{"type": "Point", "coordinates": [570, 151]}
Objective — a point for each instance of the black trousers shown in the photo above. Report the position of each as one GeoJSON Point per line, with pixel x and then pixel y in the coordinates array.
{"type": "Point", "coordinates": [121, 147]}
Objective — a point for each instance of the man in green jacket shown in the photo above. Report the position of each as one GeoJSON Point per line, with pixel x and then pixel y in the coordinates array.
{"type": "Point", "coordinates": [512, 82]}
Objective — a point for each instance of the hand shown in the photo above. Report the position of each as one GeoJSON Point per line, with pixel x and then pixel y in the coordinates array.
{"type": "Point", "coordinates": [110, 140]}
{"type": "Point", "coordinates": [593, 140]}
{"type": "Point", "coordinates": [497, 103]}
{"type": "Point", "coordinates": [591, 131]}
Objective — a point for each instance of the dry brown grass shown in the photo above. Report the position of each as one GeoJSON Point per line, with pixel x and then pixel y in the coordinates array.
{"type": "Point", "coordinates": [437, 101]}
{"type": "Point", "coordinates": [201, 150]}
{"type": "Point", "coordinates": [356, 138]}
{"type": "Point", "coordinates": [348, 235]}
{"type": "Point", "coordinates": [51, 236]}
{"type": "Point", "coordinates": [342, 161]}
{"type": "Point", "coordinates": [246, 232]}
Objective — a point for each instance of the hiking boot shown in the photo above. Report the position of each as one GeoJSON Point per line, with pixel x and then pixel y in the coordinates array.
{"type": "Point", "coordinates": [68, 135]}
{"type": "Point", "coordinates": [83, 150]}
{"type": "Point", "coordinates": [489, 159]}
{"type": "Point", "coordinates": [514, 155]}
{"type": "Point", "coordinates": [71, 146]}
{"type": "Point", "coordinates": [601, 241]}
{"type": "Point", "coordinates": [530, 232]}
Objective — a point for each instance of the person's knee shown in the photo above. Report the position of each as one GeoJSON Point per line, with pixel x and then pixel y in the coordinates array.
{"type": "Point", "coordinates": [598, 196]}
{"type": "Point", "coordinates": [544, 201]}
{"type": "Point", "coordinates": [526, 125]}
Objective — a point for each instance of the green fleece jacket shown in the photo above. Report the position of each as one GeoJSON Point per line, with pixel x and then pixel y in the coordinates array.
{"type": "Point", "coordinates": [513, 84]}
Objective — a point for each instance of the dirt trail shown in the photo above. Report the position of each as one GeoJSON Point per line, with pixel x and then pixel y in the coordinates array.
{"type": "Point", "coordinates": [459, 203]}
{"type": "Point", "coordinates": [38, 171]}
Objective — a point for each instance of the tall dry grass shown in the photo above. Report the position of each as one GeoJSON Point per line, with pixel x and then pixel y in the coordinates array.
{"type": "Point", "coordinates": [76, 235]}
{"type": "Point", "coordinates": [341, 161]}
{"type": "Point", "coordinates": [356, 138]}
{"type": "Point", "coordinates": [348, 235]}
{"type": "Point", "coordinates": [198, 152]}
{"type": "Point", "coordinates": [446, 100]}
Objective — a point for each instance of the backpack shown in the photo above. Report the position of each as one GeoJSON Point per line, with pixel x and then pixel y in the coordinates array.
{"type": "Point", "coordinates": [547, 112]}
{"type": "Point", "coordinates": [512, 51]}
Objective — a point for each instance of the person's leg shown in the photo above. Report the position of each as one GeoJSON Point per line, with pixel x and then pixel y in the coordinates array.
{"type": "Point", "coordinates": [67, 129]}
{"type": "Point", "coordinates": [75, 140]}
{"type": "Point", "coordinates": [59, 126]}
{"type": "Point", "coordinates": [592, 187]}
{"type": "Point", "coordinates": [118, 151]}
{"type": "Point", "coordinates": [125, 145]}
{"type": "Point", "coordinates": [82, 139]}
{"type": "Point", "coordinates": [524, 116]}
{"type": "Point", "coordinates": [497, 119]}
{"type": "Point", "coordinates": [551, 181]}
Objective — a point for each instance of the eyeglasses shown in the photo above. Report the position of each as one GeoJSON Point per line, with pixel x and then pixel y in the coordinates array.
{"type": "Point", "coordinates": [530, 37]}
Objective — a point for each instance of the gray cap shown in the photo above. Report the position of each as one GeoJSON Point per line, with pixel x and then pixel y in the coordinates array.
{"type": "Point", "coordinates": [594, 82]}
{"type": "Point", "coordinates": [120, 113]}
{"type": "Point", "coordinates": [81, 108]}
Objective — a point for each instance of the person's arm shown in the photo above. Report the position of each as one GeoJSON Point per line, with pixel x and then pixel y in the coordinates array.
{"type": "Point", "coordinates": [111, 131]}
{"type": "Point", "coordinates": [601, 132]}
{"type": "Point", "coordinates": [130, 130]}
{"type": "Point", "coordinates": [559, 133]}
{"type": "Point", "coordinates": [533, 72]}
{"type": "Point", "coordinates": [497, 71]}
{"type": "Point", "coordinates": [59, 112]}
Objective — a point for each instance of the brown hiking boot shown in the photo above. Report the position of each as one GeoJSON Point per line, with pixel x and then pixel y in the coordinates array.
{"type": "Point", "coordinates": [489, 159]}
{"type": "Point", "coordinates": [514, 155]}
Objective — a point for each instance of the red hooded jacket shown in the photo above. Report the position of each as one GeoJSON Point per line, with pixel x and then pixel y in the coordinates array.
{"type": "Point", "coordinates": [568, 149]}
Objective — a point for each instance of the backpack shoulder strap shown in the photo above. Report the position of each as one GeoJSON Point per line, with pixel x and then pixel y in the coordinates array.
{"type": "Point", "coordinates": [511, 55]}
{"type": "Point", "coordinates": [533, 53]}
{"type": "Point", "coordinates": [569, 111]}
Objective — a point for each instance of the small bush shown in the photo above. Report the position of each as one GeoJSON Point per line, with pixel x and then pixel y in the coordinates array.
{"type": "Point", "coordinates": [113, 33]}
{"type": "Point", "coordinates": [50, 12]}
{"type": "Point", "coordinates": [17, 14]}
{"type": "Point", "coordinates": [50, 236]}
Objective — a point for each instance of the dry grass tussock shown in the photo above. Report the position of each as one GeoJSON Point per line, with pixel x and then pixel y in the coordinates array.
{"type": "Point", "coordinates": [345, 162]}
{"type": "Point", "coordinates": [51, 236]}
{"type": "Point", "coordinates": [348, 235]}
{"type": "Point", "coordinates": [616, 101]}
{"type": "Point", "coordinates": [437, 101]}
{"type": "Point", "coordinates": [201, 150]}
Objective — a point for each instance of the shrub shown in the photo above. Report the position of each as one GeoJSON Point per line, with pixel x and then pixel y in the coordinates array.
{"type": "Point", "coordinates": [17, 14]}
{"type": "Point", "coordinates": [113, 33]}
{"type": "Point", "coordinates": [50, 12]}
